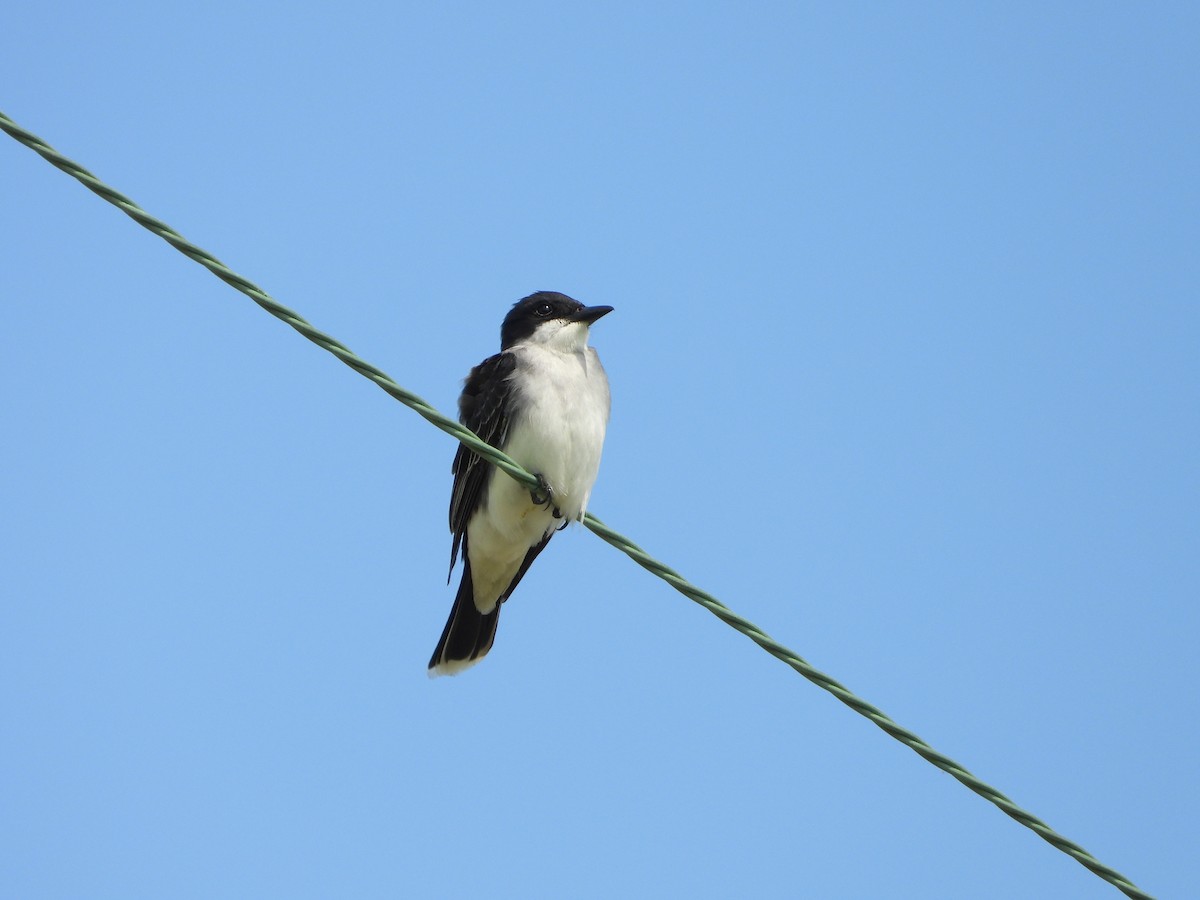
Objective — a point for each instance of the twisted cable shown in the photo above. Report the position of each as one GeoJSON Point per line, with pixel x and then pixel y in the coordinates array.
{"type": "Point", "coordinates": [622, 543]}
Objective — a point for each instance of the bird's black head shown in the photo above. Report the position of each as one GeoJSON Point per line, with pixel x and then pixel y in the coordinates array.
{"type": "Point", "coordinates": [547, 309]}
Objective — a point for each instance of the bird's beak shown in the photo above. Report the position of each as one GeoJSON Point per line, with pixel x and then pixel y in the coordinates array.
{"type": "Point", "coordinates": [590, 314]}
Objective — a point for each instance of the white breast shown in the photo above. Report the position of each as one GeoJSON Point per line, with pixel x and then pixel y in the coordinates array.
{"type": "Point", "coordinates": [558, 415]}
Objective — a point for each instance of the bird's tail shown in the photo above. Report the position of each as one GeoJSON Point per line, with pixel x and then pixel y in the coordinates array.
{"type": "Point", "coordinates": [468, 634]}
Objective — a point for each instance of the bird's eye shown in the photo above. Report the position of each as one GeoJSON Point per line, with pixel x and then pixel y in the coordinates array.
{"type": "Point", "coordinates": [543, 310]}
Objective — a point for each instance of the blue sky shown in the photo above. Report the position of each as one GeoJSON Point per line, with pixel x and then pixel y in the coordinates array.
{"type": "Point", "coordinates": [905, 370]}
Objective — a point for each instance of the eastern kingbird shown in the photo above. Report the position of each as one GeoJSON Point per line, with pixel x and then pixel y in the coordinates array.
{"type": "Point", "coordinates": [543, 400]}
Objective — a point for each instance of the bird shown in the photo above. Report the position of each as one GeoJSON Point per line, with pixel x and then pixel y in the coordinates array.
{"type": "Point", "coordinates": [543, 400]}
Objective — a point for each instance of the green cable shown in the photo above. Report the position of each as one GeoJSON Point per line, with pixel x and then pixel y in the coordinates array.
{"type": "Point", "coordinates": [622, 543]}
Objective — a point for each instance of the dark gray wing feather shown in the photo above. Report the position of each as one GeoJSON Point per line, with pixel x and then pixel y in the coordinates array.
{"type": "Point", "coordinates": [482, 407]}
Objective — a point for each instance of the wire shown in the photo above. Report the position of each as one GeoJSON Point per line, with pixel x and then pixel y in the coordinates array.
{"type": "Point", "coordinates": [622, 543]}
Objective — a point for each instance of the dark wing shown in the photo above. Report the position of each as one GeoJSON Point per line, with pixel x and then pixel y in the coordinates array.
{"type": "Point", "coordinates": [482, 408]}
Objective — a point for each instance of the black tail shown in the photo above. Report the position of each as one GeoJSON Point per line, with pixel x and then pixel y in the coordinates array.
{"type": "Point", "coordinates": [468, 634]}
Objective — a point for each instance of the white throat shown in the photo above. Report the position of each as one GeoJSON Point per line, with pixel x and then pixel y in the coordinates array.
{"type": "Point", "coordinates": [561, 336]}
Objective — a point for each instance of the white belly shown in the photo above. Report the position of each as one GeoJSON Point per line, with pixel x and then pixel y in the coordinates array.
{"type": "Point", "coordinates": [556, 431]}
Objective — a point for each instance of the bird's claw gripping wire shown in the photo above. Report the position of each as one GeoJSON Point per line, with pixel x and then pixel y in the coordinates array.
{"type": "Point", "coordinates": [543, 496]}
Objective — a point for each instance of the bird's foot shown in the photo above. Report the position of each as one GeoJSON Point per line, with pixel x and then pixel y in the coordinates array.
{"type": "Point", "coordinates": [543, 496]}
